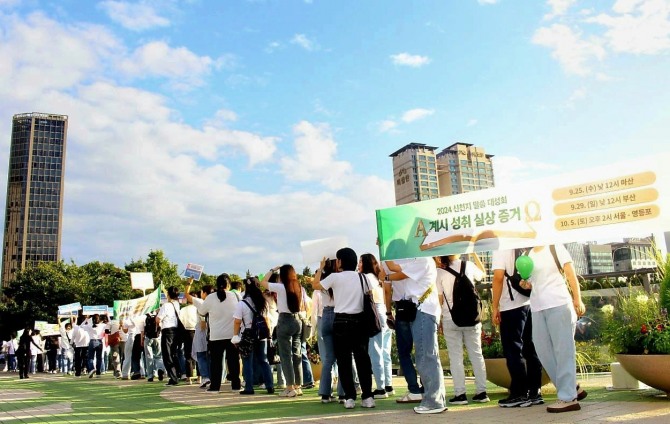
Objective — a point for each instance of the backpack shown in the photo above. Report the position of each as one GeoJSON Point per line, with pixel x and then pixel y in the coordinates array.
{"type": "Point", "coordinates": [467, 308]}
{"type": "Point", "coordinates": [514, 280]}
{"type": "Point", "coordinates": [259, 326]}
{"type": "Point", "coordinates": [151, 329]}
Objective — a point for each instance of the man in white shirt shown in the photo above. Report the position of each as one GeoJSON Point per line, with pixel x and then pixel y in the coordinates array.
{"type": "Point", "coordinates": [189, 318]}
{"type": "Point", "coordinates": [511, 311]}
{"type": "Point", "coordinates": [422, 291]}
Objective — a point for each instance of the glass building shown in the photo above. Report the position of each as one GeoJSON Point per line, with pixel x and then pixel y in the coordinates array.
{"type": "Point", "coordinates": [34, 208]}
{"type": "Point", "coordinates": [415, 173]}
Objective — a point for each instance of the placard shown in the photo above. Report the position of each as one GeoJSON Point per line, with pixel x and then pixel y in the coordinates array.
{"type": "Point", "coordinates": [194, 271]}
{"type": "Point", "coordinates": [314, 250]}
{"type": "Point", "coordinates": [142, 280]}
{"type": "Point", "coordinates": [69, 308]}
{"type": "Point", "coordinates": [96, 309]}
{"type": "Point", "coordinates": [129, 308]}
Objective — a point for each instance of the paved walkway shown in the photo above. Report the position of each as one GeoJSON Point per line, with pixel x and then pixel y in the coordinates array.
{"type": "Point", "coordinates": [640, 410]}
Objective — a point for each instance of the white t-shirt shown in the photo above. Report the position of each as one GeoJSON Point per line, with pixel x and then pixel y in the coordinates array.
{"type": "Point", "coordinates": [377, 289]}
{"type": "Point", "coordinates": [397, 286]}
{"type": "Point", "coordinates": [220, 315]}
{"type": "Point", "coordinates": [80, 337]}
{"type": "Point", "coordinates": [347, 291]}
{"type": "Point", "coordinates": [189, 317]}
{"type": "Point", "coordinates": [504, 260]}
{"type": "Point", "coordinates": [282, 303]}
{"type": "Point", "coordinates": [549, 288]}
{"type": "Point", "coordinates": [168, 314]}
{"type": "Point", "coordinates": [445, 283]}
{"type": "Point", "coordinates": [244, 313]}
{"type": "Point", "coordinates": [422, 273]}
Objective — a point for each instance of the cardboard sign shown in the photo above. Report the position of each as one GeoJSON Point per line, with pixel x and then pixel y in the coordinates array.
{"type": "Point", "coordinates": [141, 280]}
{"type": "Point", "coordinates": [97, 309]}
{"type": "Point", "coordinates": [69, 308]}
{"type": "Point", "coordinates": [314, 250]}
{"type": "Point", "coordinates": [193, 270]}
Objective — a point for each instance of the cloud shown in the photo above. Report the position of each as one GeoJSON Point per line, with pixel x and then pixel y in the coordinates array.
{"type": "Point", "coordinates": [303, 41]}
{"type": "Point", "coordinates": [406, 59]}
{"type": "Point", "coordinates": [558, 8]}
{"type": "Point", "coordinates": [487, 1]}
{"type": "Point", "coordinates": [471, 122]}
{"type": "Point", "coordinates": [637, 26]}
{"type": "Point", "coordinates": [387, 125]}
{"type": "Point", "coordinates": [134, 16]}
{"type": "Point", "coordinates": [512, 169]}
{"type": "Point", "coordinates": [158, 59]}
{"type": "Point", "coordinates": [572, 52]}
{"type": "Point", "coordinates": [314, 157]}
{"type": "Point", "coordinates": [273, 46]}
{"type": "Point", "coordinates": [416, 114]}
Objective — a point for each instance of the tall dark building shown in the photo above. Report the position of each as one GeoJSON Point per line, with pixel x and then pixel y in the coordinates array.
{"type": "Point", "coordinates": [34, 209]}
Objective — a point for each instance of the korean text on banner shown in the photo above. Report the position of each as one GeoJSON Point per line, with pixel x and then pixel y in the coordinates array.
{"type": "Point", "coordinates": [129, 308]}
{"type": "Point", "coordinates": [314, 250]}
{"type": "Point", "coordinates": [194, 271]}
{"type": "Point", "coordinates": [630, 198]}
{"type": "Point", "coordinates": [141, 281]}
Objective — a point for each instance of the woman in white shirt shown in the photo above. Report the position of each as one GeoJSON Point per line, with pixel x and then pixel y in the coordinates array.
{"type": "Point", "coordinates": [348, 330]}
{"type": "Point", "coordinates": [96, 332]}
{"type": "Point", "coordinates": [253, 303]}
{"type": "Point", "coordinates": [456, 336]}
{"type": "Point", "coordinates": [168, 319]}
{"type": "Point", "coordinates": [379, 347]}
{"type": "Point", "coordinates": [220, 306]}
{"type": "Point", "coordinates": [289, 326]}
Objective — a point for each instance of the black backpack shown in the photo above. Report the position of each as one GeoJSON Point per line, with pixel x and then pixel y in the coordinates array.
{"type": "Point", "coordinates": [151, 329]}
{"type": "Point", "coordinates": [467, 308]}
{"type": "Point", "coordinates": [259, 326]}
{"type": "Point", "coordinates": [514, 280]}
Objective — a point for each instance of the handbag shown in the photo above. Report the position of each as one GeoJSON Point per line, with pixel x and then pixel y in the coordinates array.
{"type": "Point", "coordinates": [246, 344]}
{"type": "Point", "coordinates": [273, 356]}
{"type": "Point", "coordinates": [181, 330]}
{"type": "Point", "coordinates": [371, 324]}
{"type": "Point", "coordinates": [405, 310]}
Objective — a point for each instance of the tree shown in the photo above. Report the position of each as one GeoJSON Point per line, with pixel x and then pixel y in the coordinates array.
{"type": "Point", "coordinates": [162, 269]}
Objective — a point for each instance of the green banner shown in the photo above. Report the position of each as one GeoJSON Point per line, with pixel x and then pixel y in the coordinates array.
{"type": "Point", "coordinates": [140, 306]}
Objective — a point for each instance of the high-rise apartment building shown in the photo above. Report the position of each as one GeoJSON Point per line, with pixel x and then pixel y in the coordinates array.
{"type": "Point", "coordinates": [34, 209]}
{"type": "Point", "coordinates": [415, 173]}
{"type": "Point", "coordinates": [463, 167]}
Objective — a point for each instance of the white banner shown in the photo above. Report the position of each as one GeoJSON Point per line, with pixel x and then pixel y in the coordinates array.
{"type": "Point", "coordinates": [141, 280]}
{"type": "Point", "coordinates": [314, 250]}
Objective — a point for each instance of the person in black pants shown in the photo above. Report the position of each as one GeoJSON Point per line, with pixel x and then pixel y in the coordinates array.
{"type": "Point", "coordinates": [23, 352]}
{"type": "Point", "coordinates": [168, 320]}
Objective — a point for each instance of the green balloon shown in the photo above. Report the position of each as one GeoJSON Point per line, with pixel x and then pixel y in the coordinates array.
{"type": "Point", "coordinates": [260, 277]}
{"type": "Point", "coordinates": [524, 264]}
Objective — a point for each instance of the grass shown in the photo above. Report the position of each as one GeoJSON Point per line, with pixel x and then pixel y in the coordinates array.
{"type": "Point", "coordinates": [106, 400]}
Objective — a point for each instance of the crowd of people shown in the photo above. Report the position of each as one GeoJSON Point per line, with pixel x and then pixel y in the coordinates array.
{"type": "Point", "coordinates": [233, 322]}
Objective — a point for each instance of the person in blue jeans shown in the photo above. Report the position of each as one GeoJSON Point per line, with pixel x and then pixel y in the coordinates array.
{"type": "Point", "coordinates": [199, 348]}
{"type": "Point", "coordinates": [254, 303]}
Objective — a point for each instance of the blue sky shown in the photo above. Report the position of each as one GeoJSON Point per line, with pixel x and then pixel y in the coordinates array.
{"type": "Point", "coordinates": [225, 132]}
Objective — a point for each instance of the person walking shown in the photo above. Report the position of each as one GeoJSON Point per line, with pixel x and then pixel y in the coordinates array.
{"type": "Point", "coordinates": [220, 306]}
{"type": "Point", "coordinates": [24, 352]}
{"type": "Point", "coordinates": [80, 340]}
{"type": "Point", "coordinates": [153, 355]}
{"type": "Point", "coordinates": [289, 326]}
{"type": "Point", "coordinates": [199, 350]}
{"type": "Point", "coordinates": [96, 332]}
{"type": "Point", "coordinates": [349, 333]}
{"type": "Point", "coordinates": [168, 320]}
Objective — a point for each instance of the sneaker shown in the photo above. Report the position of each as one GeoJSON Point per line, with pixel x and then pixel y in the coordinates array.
{"type": "Point", "coordinates": [271, 391]}
{"type": "Point", "coordinates": [368, 402]}
{"type": "Point", "coordinates": [341, 400]}
{"type": "Point", "coordinates": [459, 400]}
{"type": "Point", "coordinates": [161, 374]}
{"type": "Point", "coordinates": [581, 393]}
{"type": "Point", "coordinates": [150, 380]}
{"type": "Point", "coordinates": [247, 392]}
{"type": "Point", "coordinates": [288, 393]}
{"type": "Point", "coordinates": [184, 377]}
{"type": "Point", "coordinates": [536, 400]}
{"type": "Point", "coordinates": [327, 399]}
{"type": "Point", "coordinates": [513, 402]}
{"type": "Point", "coordinates": [171, 383]}
{"type": "Point", "coordinates": [349, 404]}
{"type": "Point", "coordinates": [261, 386]}
{"type": "Point", "coordinates": [210, 390]}
{"type": "Point", "coordinates": [389, 390]}
{"type": "Point", "coordinates": [426, 410]}
{"type": "Point", "coordinates": [205, 384]}
{"type": "Point", "coordinates": [298, 391]}
{"type": "Point", "coordinates": [481, 398]}
{"type": "Point", "coordinates": [308, 386]}
{"type": "Point", "coordinates": [90, 373]}
{"type": "Point", "coordinates": [410, 398]}
{"type": "Point", "coordinates": [564, 406]}
{"type": "Point", "coordinates": [380, 394]}
{"type": "Point", "coordinates": [135, 377]}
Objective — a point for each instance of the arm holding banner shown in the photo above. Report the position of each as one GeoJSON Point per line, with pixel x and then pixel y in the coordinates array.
{"type": "Point", "coordinates": [266, 278]}
{"type": "Point", "coordinates": [571, 276]}
{"type": "Point", "coordinates": [187, 290]}
{"type": "Point", "coordinates": [316, 281]}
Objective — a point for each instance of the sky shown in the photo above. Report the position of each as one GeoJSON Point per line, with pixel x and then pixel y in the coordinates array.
{"type": "Point", "coordinates": [227, 132]}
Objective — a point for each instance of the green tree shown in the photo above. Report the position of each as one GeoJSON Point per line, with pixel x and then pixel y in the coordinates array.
{"type": "Point", "coordinates": [162, 269]}
{"type": "Point", "coordinates": [107, 283]}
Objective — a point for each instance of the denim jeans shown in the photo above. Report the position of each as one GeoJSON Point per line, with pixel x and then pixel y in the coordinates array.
{"type": "Point", "coordinates": [516, 334]}
{"type": "Point", "coordinates": [289, 330]}
{"type": "Point", "coordinates": [307, 376]}
{"type": "Point", "coordinates": [405, 342]}
{"type": "Point", "coordinates": [65, 360]}
{"type": "Point", "coordinates": [379, 349]}
{"type": "Point", "coordinates": [95, 351]}
{"type": "Point", "coordinates": [327, 353]}
{"type": "Point", "coordinates": [12, 362]}
{"type": "Point", "coordinates": [203, 364]}
{"type": "Point", "coordinates": [455, 337]}
{"type": "Point", "coordinates": [554, 339]}
{"type": "Point", "coordinates": [424, 332]}
{"type": "Point", "coordinates": [33, 364]}
{"type": "Point", "coordinates": [258, 354]}
{"type": "Point", "coordinates": [350, 338]}
{"type": "Point", "coordinates": [153, 356]}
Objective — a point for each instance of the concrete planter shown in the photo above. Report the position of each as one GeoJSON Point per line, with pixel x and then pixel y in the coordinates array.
{"type": "Point", "coordinates": [652, 370]}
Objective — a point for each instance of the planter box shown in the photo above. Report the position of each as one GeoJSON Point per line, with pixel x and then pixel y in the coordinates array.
{"type": "Point", "coordinates": [652, 370]}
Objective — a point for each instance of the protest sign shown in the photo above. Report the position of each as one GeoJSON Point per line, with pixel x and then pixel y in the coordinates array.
{"type": "Point", "coordinates": [314, 250]}
{"type": "Point", "coordinates": [599, 203]}
{"type": "Point", "coordinates": [194, 271]}
{"type": "Point", "coordinates": [41, 326]}
{"type": "Point", "coordinates": [96, 309]}
{"type": "Point", "coordinates": [50, 330]}
{"type": "Point", "coordinates": [129, 308]}
{"type": "Point", "coordinates": [141, 281]}
{"type": "Point", "coordinates": [69, 308]}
